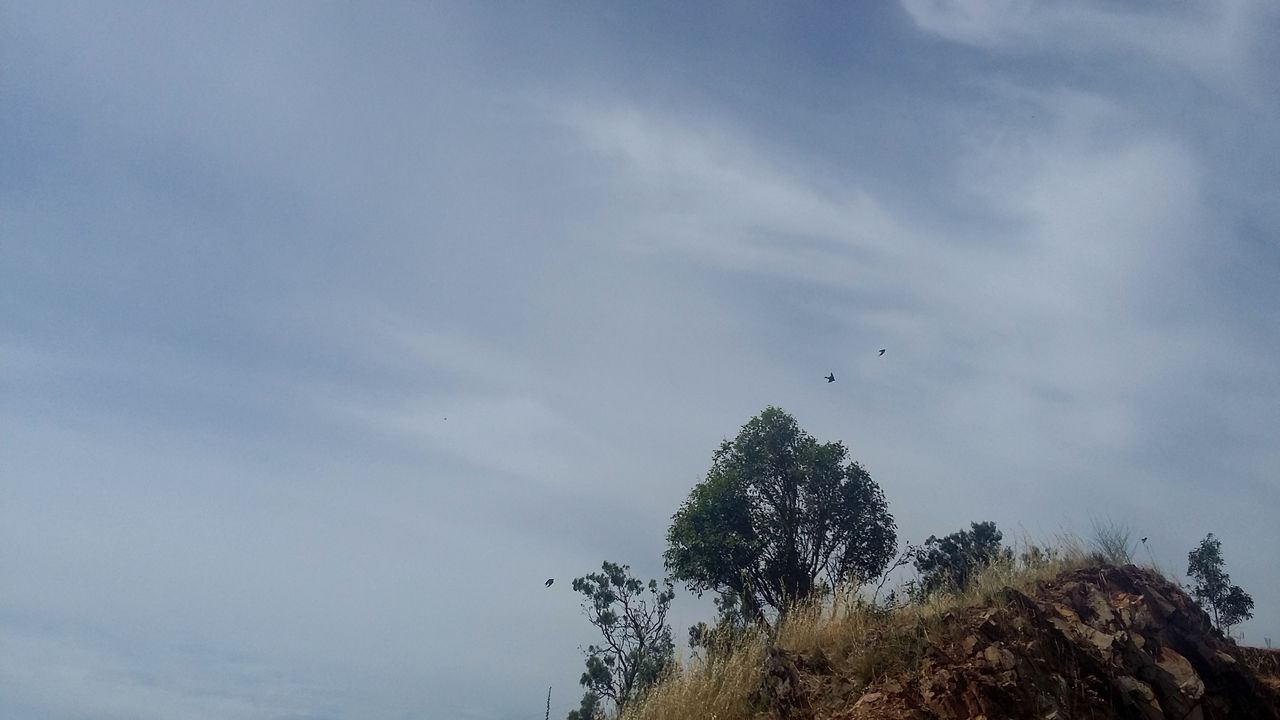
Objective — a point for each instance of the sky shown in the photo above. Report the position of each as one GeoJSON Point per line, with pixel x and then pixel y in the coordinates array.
{"type": "Point", "coordinates": [329, 332]}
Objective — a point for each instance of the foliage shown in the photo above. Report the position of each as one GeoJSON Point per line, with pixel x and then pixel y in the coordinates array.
{"type": "Point", "coordinates": [589, 709]}
{"type": "Point", "coordinates": [1226, 603]}
{"type": "Point", "coordinates": [909, 552]}
{"type": "Point", "coordinates": [947, 563]}
{"type": "Point", "coordinates": [778, 518]}
{"type": "Point", "coordinates": [732, 626]}
{"type": "Point", "coordinates": [637, 646]}
{"type": "Point", "coordinates": [1034, 556]}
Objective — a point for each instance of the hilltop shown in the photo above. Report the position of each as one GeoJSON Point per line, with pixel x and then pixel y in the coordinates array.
{"type": "Point", "coordinates": [1100, 642]}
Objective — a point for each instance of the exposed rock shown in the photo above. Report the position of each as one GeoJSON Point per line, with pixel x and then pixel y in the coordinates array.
{"type": "Point", "coordinates": [1103, 643]}
{"type": "Point", "coordinates": [781, 687]}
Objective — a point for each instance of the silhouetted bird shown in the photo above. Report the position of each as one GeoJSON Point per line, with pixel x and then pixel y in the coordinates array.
{"type": "Point", "coordinates": [549, 581]}
{"type": "Point", "coordinates": [831, 377]}
{"type": "Point", "coordinates": [1144, 540]}
{"type": "Point", "coordinates": [881, 351]}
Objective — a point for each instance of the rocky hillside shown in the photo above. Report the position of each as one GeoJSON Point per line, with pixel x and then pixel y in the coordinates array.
{"type": "Point", "coordinates": [1101, 643]}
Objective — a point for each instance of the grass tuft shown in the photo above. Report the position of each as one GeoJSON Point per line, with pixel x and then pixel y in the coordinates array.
{"type": "Point", "coordinates": [1112, 542]}
{"type": "Point", "coordinates": [716, 687]}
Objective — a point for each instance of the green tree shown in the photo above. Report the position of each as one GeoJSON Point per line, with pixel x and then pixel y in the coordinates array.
{"type": "Point", "coordinates": [1226, 603]}
{"type": "Point", "coordinates": [589, 709]}
{"type": "Point", "coordinates": [637, 646]}
{"type": "Point", "coordinates": [731, 625]}
{"type": "Point", "coordinates": [779, 517]}
{"type": "Point", "coordinates": [947, 563]}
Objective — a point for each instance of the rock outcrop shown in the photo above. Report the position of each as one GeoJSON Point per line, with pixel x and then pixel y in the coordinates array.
{"type": "Point", "coordinates": [1103, 643]}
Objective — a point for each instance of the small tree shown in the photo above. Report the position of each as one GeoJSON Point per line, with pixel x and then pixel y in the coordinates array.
{"type": "Point", "coordinates": [637, 645]}
{"type": "Point", "coordinates": [948, 563]}
{"type": "Point", "coordinates": [589, 709]}
{"type": "Point", "coordinates": [779, 517]}
{"type": "Point", "coordinates": [1227, 604]}
{"type": "Point", "coordinates": [731, 626]}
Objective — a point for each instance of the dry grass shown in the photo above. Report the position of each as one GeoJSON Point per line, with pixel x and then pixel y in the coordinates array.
{"type": "Point", "coordinates": [861, 641]}
{"type": "Point", "coordinates": [1112, 542]}
{"type": "Point", "coordinates": [717, 690]}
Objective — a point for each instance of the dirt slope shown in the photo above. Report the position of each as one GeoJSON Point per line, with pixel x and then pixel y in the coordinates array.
{"type": "Point", "coordinates": [1101, 643]}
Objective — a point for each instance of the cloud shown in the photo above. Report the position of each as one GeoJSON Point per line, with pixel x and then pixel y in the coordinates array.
{"type": "Point", "coordinates": [62, 673]}
{"type": "Point", "coordinates": [708, 192]}
{"type": "Point", "coordinates": [972, 21]}
{"type": "Point", "coordinates": [1213, 43]}
{"type": "Point", "coordinates": [1044, 324]}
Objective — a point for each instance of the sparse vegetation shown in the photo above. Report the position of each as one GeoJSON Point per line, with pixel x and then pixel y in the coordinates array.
{"type": "Point", "coordinates": [787, 532]}
{"type": "Point", "coordinates": [637, 647]}
{"type": "Point", "coordinates": [1227, 604]}
{"type": "Point", "coordinates": [1111, 542]}
{"type": "Point", "coordinates": [709, 641]}
{"type": "Point", "coordinates": [866, 639]}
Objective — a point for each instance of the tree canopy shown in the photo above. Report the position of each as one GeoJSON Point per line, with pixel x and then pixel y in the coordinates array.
{"type": "Point", "coordinates": [779, 517]}
{"type": "Point", "coordinates": [637, 645]}
{"type": "Point", "coordinates": [1227, 604]}
{"type": "Point", "coordinates": [947, 563]}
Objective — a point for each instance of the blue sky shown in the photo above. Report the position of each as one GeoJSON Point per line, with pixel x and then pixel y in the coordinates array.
{"type": "Point", "coordinates": [331, 331]}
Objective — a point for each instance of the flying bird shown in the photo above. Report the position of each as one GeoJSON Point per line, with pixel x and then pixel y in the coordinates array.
{"type": "Point", "coordinates": [831, 377]}
{"type": "Point", "coordinates": [1144, 540]}
{"type": "Point", "coordinates": [549, 581]}
{"type": "Point", "coordinates": [881, 351]}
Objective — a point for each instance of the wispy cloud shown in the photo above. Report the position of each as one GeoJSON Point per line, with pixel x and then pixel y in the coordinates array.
{"type": "Point", "coordinates": [1213, 43]}
{"type": "Point", "coordinates": [706, 190]}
